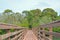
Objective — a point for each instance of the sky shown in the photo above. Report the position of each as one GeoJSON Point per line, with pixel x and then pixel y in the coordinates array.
{"type": "Point", "coordinates": [21, 5]}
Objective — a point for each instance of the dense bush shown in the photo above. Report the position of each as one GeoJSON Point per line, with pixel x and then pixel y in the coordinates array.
{"type": "Point", "coordinates": [2, 32]}
{"type": "Point", "coordinates": [56, 29]}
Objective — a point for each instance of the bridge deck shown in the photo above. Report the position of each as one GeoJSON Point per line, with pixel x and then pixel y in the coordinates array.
{"type": "Point", "coordinates": [30, 36]}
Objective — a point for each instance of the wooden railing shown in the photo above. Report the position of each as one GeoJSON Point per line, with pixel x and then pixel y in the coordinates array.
{"type": "Point", "coordinates": [43, 34]}
{"type": "Point", "coordinates": [18, 34]}
{"type": "Point", "coordinates": [40, 31]}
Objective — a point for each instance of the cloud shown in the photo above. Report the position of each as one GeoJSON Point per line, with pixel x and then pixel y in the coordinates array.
{"type": "Point", "coordinates": [20, 5]}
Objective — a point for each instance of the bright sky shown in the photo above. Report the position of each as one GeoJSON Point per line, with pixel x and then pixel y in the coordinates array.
{"type": "Point", "coordinates": [20, 5]}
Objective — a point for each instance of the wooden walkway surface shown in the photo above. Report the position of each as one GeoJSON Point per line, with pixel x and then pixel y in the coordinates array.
{"type": "Point", "coordinates": [30, 36]}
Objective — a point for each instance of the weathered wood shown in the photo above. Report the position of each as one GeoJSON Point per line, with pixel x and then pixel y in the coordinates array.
{"type": "Point", "coordinates": [55, 34]}
{"type": "Point", "coordinates": [44, 37]}
{"type": "Point", "coordinates": [9, 27]}
{"type": "Point", "coordinates": [8, 24]}
{"type": "Point", "coordinates": [23, 34]}
{"type": "Point", "coordinates": [10, 34]}
{"type": "Point", "coordinates": [30, 36]}
{"type": "Point", "coordinates": [50, 32]}
{"type": "Point", "coordinates": [39, 37]}
{"type": "Point", "coordinates": [17, 36]}
{"type": "Point", "coordinates": [53, 24]}
{"type": "Point", "coordinates": [43, 34]}
{"type": "Point", "coordinates": [50, 36]}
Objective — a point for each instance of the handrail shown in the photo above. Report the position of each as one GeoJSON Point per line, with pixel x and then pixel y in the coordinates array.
{"type": "Point", "coordinates": [10, 34]}
{"type": "Point", "coordinates": [55, 34]}
{"type": "Point", "coordinates": [16, 37]}
{"type": "Point", "coordinates": [41, 33]}
{"type": "Point", "coordinates": [18, 33]}
{"type": "Point", "coordinates": [9, 26]}
{"type": "Point", "coordinates": [53, 24]}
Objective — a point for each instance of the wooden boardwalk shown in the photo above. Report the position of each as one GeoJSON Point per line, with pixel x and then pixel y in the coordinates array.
{"type": "Point", "coordinates": [30, 36]}
{"type": "Point", "coordinates": [37, 33]}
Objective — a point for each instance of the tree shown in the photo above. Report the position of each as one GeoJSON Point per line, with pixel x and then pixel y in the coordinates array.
{"type": "Point", "coordinates": [58, 17]}
{"type": "Point", "coordinates": [36, 12]}
{"type": "Point", "coordinates": [50, 12]}
{"type": "Point", "coordinates": [33, 17]}
{"type": "Point", "coordinates": [7, 11]}
{"type": "Point", "coordinates": [18, 18]}
{"type": "Point", "coordinates": [6, 15]}
{"type": "Point", "coordinates": [29, 17]}
{"type": "Point", "coordinates": [36, 16]}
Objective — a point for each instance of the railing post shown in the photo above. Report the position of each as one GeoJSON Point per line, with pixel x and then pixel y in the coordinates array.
{"type": "Point", "coordinates": [8, 32]}
{"type": "Point", "coordinates": [23, 34]}
{"type": "Point", "coordinates": [43, 33]}
{"type": "Point", "coordinates": [39, 34]}
{"type": "Point", "coordinates": [50, 36]}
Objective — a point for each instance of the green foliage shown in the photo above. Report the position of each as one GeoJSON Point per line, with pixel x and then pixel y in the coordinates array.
{"type": "Point", "coordinates": [54, 38]}
{"type": "Point", "coordinates": [45, 20]}
{"type": "Point", "coordinates": [58, 18]}
{"type": "Point", "coordinates": [2, 32]}
{"type": "Point", "coordinates": [31, 18]}
{"type": "Point", "coordinates": [56, 29]}
{"type": "Point", "coordinates": [50, 12]}
{"type": "Point", "coordinates": [7, 11]}
{"type": "Point", "coordinates": [11, 30]}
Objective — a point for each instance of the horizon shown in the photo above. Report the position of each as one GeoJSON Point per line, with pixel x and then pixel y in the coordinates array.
{"type": "Point", "coordinates": [21, 5]}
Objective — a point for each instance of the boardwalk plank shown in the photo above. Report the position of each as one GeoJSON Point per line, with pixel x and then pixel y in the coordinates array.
{"type": "Point", "coordinates": [30, 36]}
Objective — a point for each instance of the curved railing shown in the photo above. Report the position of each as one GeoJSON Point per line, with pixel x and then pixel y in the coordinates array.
{"type": "Point", "coordinates": [18, 34]}
{"type": "Point", "coordinates": [43, 34]}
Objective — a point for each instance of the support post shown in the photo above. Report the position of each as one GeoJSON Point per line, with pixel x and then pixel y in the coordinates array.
{"type": "Point", "coordinates": [8, 32]}
{"type": "Point", "coordinates": [43, 33]}
{"type": "Point", "coordinates": [50, 36]}
{"type": "Point", "coordinates": [39, 34]}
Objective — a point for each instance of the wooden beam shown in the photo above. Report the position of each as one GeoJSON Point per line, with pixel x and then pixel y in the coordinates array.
{"type": "Point", "coordinates": [10, 34]}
